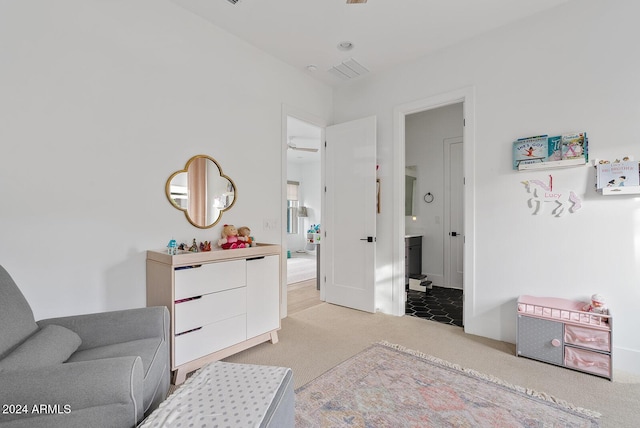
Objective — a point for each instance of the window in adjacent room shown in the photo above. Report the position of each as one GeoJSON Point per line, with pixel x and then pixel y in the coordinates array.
{"type": "Point", "coordinates": [293, 200]}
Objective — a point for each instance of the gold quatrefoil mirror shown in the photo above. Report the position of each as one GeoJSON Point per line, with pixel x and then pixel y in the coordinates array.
{"type": "Point", "coordinates": [202, 191]}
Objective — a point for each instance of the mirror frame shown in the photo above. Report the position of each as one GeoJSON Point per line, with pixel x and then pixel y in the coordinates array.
{"type": "Point", "coordinates": [167, 191]}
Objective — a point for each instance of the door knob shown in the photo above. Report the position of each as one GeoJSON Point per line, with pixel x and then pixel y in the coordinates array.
{"type": "Point", "coordinates": [368, 239]}
{"type": "Point", "coordinates": [453, 233]}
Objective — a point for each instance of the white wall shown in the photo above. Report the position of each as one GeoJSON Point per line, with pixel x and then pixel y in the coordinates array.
{"type": "Point", "coordinates": [570, 69]}
{"type": "Point", "coordinates": [101, 102]}
{"type": "Point", "coordinates": [425, 133]}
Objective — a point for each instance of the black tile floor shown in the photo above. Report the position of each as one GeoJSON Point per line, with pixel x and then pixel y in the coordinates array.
{"type": "Point", "coordinates": [438, 304]}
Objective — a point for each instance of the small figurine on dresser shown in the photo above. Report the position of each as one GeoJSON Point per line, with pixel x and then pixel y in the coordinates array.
{"type": "Point", "coordinates": [194, 247]}
{"type": "Point", "coordinates": [244, 234]}
{"type": "Point", "coordinates": [597, 305]}
{"type": "Point", "coordinates": [205, 246]}
{"type": "Point", "coordinates": [172, 247]}
{"type": "Point", "coordinates": [229, 238]}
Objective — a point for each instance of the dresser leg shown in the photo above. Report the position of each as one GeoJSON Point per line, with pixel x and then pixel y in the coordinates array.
{"type": "Point", "coordinates": [274, 337]}
{"type": "Point", "coordinates": [178, 377]}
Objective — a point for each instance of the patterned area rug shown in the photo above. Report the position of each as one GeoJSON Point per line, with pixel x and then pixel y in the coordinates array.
{"type": "Point", "coordinates": [389, 386]}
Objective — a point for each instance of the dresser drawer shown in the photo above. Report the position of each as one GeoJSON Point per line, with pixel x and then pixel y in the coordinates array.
{"type": "Point", "coordinates": [209, 339]}
{"type": "Point", "coordinates": [210, 308]}
{"type": "Point", "coordinates": [587, 361]}
{"type": "Point", "coordinates": [587, 337]}
{"type": "Point", "coordinates": [209, 278]}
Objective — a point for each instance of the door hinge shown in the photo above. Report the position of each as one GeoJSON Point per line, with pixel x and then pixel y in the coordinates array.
{"type": "Point", "coordinates": [325, 189]}
{"type": "Point", "coordinates": [464, 180]}
{"type": "Point", "coordinates": [325, 144]}
{"type": "Point", "coordinates": [464, 122]}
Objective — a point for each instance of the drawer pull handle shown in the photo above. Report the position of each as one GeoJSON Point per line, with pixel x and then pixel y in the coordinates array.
{"type": "Point", "coordinates": [556, 343]}
{"type": "Point", "coordinates": [188, 331]}
{"type": "Point", "coordinates": [188, 299]}
{"type": "Point", "coordinates": [187, 267]}
{"type": "Point", "coordinates": [255, 258]}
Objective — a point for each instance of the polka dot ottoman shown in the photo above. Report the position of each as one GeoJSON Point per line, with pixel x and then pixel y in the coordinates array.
{"type": "Point", "coordinates": [229, 395]}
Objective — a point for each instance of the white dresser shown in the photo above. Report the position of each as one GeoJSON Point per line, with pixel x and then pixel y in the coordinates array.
{"type": "Point", "coordinates": [221, 302]}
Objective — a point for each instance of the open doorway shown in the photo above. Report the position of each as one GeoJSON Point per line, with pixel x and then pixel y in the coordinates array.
{"type": "Point", "coordinates": [434, 213]}
{"type": "Point", "coordinates": [303, 213]}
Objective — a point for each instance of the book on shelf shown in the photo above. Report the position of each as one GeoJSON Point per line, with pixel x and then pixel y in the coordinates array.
{"type": "Point", "coordinates": [574, 146]}
{"type": "Point", "coordinates": [617, 174]}
{"type": "Point", "coordinates": [530, 150]}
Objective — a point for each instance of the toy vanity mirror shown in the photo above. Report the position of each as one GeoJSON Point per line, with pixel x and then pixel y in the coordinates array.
{"type": "Point", "coordinates": [202, 191]}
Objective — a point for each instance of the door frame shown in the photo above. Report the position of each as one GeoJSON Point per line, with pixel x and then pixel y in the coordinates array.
{"type": "Point", "coordinates": [467, 97]}
{"type": "Point", "coordinates": [321, 123]}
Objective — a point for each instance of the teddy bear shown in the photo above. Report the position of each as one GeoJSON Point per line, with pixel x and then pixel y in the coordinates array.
{"type": "Point", "coordinates": [229, 238]}
{"type": "Point", "coordinates": [244, 234]}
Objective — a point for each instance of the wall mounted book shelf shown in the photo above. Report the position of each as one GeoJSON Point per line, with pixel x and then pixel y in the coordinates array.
{"type": "Point", "coordinates": [619, 177]}
{"type": "Point", "coordinates": [545, 152]}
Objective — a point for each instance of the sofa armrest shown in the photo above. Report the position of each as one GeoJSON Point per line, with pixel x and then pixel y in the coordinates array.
{"type": "Point", "coordinates": [48, 395]}
{"type": "Point", "coordinates": [108, 328]}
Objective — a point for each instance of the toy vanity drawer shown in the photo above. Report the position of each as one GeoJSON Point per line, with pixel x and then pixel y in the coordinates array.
{"type": "Point", "coordinates": [210, 308]}
{"type": "Point", "coordinates": [588, 361]}
{"type": "Point", "coordinates": [209, 278]}
{"type": "Point", "coordinates": [587, 337]}
{"type": "Point", "coordinates": [208, 339]}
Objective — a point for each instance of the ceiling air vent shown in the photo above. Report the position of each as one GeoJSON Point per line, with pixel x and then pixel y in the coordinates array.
{"type": "Point", "coordinates": [233, 1]}
{"type": "Point", "coordinates": [348, 69]}
{"type": "Point", "coordinates": [356, 1]}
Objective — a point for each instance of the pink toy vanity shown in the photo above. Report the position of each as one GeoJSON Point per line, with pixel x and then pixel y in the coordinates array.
{"type": "Point", "coordinates": [558, 331]}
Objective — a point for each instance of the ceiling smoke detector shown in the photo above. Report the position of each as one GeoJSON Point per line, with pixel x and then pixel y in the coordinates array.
{"type": "Point", "coordinates": [356, 1]}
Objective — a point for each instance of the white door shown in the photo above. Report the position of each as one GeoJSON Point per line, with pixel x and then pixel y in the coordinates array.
{"type": "Point", "coordinates": [454, 212]}
{"type": "Point", "coordinates": [348, 249]}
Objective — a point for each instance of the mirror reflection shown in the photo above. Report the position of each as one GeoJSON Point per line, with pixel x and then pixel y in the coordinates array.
{"type": "Point", "coordinates": [202, 191]}
{"type": "Point", "coordinates": [410, 190]}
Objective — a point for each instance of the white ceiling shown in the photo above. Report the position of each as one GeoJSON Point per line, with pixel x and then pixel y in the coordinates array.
{"type": "Point", "coordinates": [384, 32]}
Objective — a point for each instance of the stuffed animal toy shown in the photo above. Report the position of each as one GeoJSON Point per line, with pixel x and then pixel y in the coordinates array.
{"type": "Point", "coordinates": [244, 234]}
{"type": "Point", "coordinates": [229, 238]}
{"type": "Point", "coordinates": [597, 305]}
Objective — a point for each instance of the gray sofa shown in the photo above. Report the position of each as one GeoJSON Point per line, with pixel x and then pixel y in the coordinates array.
{"type": "Point", "coordinates": [99, 370]}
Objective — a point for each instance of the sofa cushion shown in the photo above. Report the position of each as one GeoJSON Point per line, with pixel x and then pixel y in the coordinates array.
{"type": "Point", "coordinates": [151, 351]}
{"type": "Point", "coordinates": [51, 345]}
{"type": "Point", "coordinates": [16, 317]}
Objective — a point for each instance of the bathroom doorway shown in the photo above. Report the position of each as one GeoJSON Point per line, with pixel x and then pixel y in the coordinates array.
{"type": "Point", "coordinates": [434, 154]}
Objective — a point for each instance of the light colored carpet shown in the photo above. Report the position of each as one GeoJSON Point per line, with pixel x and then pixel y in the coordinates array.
{"type": "Point", "coordinates": [320, 337]}
{"type": "Point", "coordinates": [300, 269]}
{"type": "Point", "coordinates": [390, 386]}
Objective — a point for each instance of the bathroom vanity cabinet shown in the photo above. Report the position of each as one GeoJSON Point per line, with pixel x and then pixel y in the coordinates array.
{"type": "Point", "coordinates": [412, 257]}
